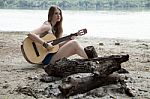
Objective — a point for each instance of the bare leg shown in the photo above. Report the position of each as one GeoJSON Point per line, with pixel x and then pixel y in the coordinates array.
{"type": "Point", "coordinates": [68, 49]}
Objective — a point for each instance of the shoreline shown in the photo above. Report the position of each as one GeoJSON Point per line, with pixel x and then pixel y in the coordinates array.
{"type": "Point", "coordinates": [92, 37]}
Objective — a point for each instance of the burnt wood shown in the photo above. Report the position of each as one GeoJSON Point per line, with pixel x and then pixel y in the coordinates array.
{"type": "Point", "coordinates": [76, 85]}
{"type": "Point", "coordinates": [99, 66]}
{"type": "Point", "coordinates": [91, 52]}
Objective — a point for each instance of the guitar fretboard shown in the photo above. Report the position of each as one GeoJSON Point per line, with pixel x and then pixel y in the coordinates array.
{"type": "Point", "coordinates": [57, 41]}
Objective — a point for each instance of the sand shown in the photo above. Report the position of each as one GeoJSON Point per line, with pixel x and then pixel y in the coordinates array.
{"type": "Point", "coordinates": [15, 71]}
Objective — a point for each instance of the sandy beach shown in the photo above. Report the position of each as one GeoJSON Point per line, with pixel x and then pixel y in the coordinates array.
{"type": "Point", "coordinates": [15, 71]}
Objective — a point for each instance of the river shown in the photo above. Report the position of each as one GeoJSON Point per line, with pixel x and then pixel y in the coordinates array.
{"type": "Point", "coordinates": [104, 24]}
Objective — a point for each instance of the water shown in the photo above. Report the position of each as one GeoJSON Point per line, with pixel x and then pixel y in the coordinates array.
{"type": "Point", "coordinates": [105, 24]}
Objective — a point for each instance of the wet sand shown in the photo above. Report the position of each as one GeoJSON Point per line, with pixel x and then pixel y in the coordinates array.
{"type": "Point", "coordinates": [16, 71]}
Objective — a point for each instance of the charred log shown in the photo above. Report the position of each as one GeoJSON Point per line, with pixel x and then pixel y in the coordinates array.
{"type": "Point", "coordinates": [78, 85]}
{"type": "Point", "coordinates": [90, 51]}
{"type": "Point", "coordinates": [72, 85]}
{"type": "Point", "coordinates": [100, 66]}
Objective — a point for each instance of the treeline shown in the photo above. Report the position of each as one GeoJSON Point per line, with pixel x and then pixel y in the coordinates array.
{"type": "Point", "coordinates": [75, 4]}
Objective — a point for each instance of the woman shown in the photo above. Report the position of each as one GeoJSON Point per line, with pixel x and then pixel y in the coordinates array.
{"type": "Point", "coordinates": [54, 25]}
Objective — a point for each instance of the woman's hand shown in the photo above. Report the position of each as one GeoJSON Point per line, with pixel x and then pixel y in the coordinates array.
{"type": "Point", "coordinates": [73, 37]}
{"type": "Point", "coordinates": [48, 46]}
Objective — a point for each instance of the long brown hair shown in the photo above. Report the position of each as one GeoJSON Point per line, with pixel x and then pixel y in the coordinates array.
{"type": "Point", "coordinates": [58, 26]}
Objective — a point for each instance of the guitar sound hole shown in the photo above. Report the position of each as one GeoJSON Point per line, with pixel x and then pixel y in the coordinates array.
{"type": "Point", "coordinates": [35, 49]}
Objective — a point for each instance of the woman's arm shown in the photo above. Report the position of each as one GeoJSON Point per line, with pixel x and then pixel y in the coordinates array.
{"type": "Point", "coordinates": [35, 34]}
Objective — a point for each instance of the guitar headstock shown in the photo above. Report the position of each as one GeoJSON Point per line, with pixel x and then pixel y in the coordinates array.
{"type": "Point", "coordinates": [82, 32]}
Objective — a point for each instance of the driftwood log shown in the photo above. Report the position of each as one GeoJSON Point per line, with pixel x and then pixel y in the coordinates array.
{"type": "Point", "coordinates": [90, 52]}
{"type": "Point", "coordinates": [76, 85]}
{"type": "Point", "coordinates": [99, 66]}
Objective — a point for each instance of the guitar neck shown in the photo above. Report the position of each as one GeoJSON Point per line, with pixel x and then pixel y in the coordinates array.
{"type": "Point", "coordinates": [57, 41]}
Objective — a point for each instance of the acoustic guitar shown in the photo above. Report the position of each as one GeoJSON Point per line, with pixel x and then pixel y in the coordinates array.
{"type": "Point", "coordinates": [35, 53]}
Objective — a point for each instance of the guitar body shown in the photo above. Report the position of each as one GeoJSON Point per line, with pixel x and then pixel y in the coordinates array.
{"type": "Point", "coordinates": [35, 52]}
